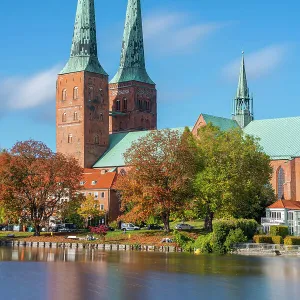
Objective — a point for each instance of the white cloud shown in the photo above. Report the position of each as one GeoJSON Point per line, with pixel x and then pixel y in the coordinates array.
{"type": "Point", "coordinates": [29, 92]}
{"type": "Point", "coordinates": [172, 31]}
{"type": "Point", "coordinates": [258, 63]}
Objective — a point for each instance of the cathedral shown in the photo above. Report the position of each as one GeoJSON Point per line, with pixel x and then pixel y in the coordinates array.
{"type": "Point", "coordinates": [97, 120]}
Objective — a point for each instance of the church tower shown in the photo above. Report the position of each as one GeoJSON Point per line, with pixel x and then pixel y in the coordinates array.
{"type": "Point", "coordinates": [82, 106]}
{"type": "Point", "coordinates": [243, 103]}
{"type": "Point", "coordinates": [132, 93]}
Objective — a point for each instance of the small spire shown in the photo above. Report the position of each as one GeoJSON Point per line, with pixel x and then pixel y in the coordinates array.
{"type": "Point", "coordinates": [84, 55]}
{"type": "Point", "coordinates": [242, 90]}
{"type": "Point", "coordinates": [132, 65]}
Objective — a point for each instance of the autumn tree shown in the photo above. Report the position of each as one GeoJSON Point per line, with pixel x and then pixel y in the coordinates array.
{"type": "Point", "coordinates": [160, 180]}
{"type": "Point", "coordinates": [34, 180]}
{"type": "Point", "coordinates": [89, 209]}
{"type": "Point", "coordinates": [236, 174]}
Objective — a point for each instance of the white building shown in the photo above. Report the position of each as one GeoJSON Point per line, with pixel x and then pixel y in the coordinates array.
{"type": "Point", "coordinates": [283, 212]}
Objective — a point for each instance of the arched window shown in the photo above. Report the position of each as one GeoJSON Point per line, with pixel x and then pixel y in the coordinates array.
{"type": "Point", "coordinates": [91, 93]}
{"type": "Point", "coordinates": [64, 117]}
{"type": "Point", "coordinates": [121, 126]}
{"type": "Point", "coordinates": [122, 172]}
{"type": "Point", "coordinates": [64, 94]}
{"type": "Point", "coordinates": [101, 117]}
{"type": "Point", "coordinates": [75, 116]}
{"type": "Point", "coordinates": [280, 183]}
{"type": "Point", "coordinates": [118, 105]}
{"type": "Point", "coordinates": [125, 104]}
{"type": "Point", "coordinates": [97, 140]}
{"type": "Point", "coordinates": [70, 139]}
{"type": "Point", "coordinates": [101, 96]}
{"type": "Point", "coordinates": [75, 93]}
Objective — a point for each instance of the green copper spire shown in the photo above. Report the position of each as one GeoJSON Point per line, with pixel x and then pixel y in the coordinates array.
{"type": "Point", "coordinates": [84, 55]}
{"type": "Point", "coordinates": [242, 91]}
{"type": "Point", "coordinates": [132, 65]}
{"type": "Point", "coordinates": [243, 104]}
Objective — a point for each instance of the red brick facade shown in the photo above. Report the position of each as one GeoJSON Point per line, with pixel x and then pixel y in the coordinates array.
{"type": "Point", "coordinates": [82, 116]}
{"type": "Point", "coordinates": [133, 106]}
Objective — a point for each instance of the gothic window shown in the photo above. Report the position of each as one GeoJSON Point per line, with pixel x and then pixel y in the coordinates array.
{"type": "Point", "coordinates": [75, 116]}
{"type": "Point", "coordinates": [70, 139]}
{"type": "Point", "coordinates": [64, 94]}
{"type": "Point", "coordinates": [118, 105]}
{"type": "Point", "coordinates": [122, 172]}
{"type": "Point", "coordinates": [101, 117]}
{"type": "Point", "coordinates": [75, 93]}
{"type": "Point", "coordinates": [97, 139]}
{"type": "Point", "coordinates": [64, 117]}
{"type": "Point", "coordinates": [125, 104]}
{"type": "Point", "coordinates": [91, 93]}
{"type": "Point", "coordinates": [101, 96]}
{"type": "Point", "coordinates": [280, 183]}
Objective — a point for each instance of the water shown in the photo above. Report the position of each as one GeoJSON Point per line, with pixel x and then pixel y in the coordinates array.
{"type": "Point", "coordinates": [71, 274]}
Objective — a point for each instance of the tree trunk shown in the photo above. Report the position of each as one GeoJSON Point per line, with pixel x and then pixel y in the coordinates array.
{"type": "Point", "coordinates": [37, 230]}
{"type": "Point", "coordinates": [208, 221]}
{"type": "Point", "coordinates": [166, 220]}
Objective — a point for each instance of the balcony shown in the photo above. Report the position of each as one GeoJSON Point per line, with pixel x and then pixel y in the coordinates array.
{"type": "Point", "coordinates": [272, 220]}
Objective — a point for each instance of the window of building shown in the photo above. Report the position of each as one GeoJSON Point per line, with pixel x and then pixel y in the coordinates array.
{"type": "Point", "coordinates": [64, 117]}
{"type": "Point", "coordinates": [121, 126]}
{"type": "Point", "coordinates": [125, 104]}
{"type": "Point", "coordinates": [70, 139]}
{"type": "Point", "coordinates": [101, 206]}
{"type": "Point", "coordinates": [102, 195]}
{"type": "Point", "coordinates": [280, 183]}
{"type": "Point", "coordinates": [97, 140]}
{"type": "Point", "coordinates": [290, 216]}
{"type": "Point", "coordinates": [122, 172]}
{"type": "Point", "coordinates": [75, 116]}
{"type": "Point", "coordinates": [91, 93]}
{"type": "Point", "coordinates": [75, 93]}
{"type": "Point", "coordinates": [82, 182]}
{"type": "Point", "coordinates": [96, 195]}
{"type": "Point", "coordinates": [94, 182]}
{"type": "Point", "coordinates": [118, 105]}
{"type": "Point", "coordinates": [101, 117]}
{"type": "Point", "coordinates": [103, 172]}
{"type": "Point", "coordinates": [64, 94]}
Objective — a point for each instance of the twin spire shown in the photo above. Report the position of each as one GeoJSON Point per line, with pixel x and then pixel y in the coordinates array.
{"type": "Point", "coordinates": [84, 56]}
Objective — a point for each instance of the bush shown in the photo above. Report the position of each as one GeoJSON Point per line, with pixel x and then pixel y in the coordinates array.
{"type": "Point", "coordinates": [183, 240]}
{"type": "Point", "coordinates": [292, 240]}
{"type": "Point", "coordinates": [204, 243]}
{"type": "Point", "coordinates": [222, 228]}
{"type": "Point", "coordinates": [234, 237]}
{"type": "Point", "coordinates": [277, 239]}
{"type": "Point", "coordinates": [114, 225]}
{"type": "Point", "coordinates": [263, 239]}
{"type": "Point", "coordinates": [283, 231]}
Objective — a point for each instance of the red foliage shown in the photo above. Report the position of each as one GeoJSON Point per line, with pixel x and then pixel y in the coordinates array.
{"type": "Point", "coordinates": [100, 230]}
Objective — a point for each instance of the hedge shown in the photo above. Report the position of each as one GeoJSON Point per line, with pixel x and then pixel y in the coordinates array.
{"type": "Point", "coordinates": [292, 240]}
{"type": "Point", "coordinates": [283, 231]}
{"type": "Point", "coordinates": [268, 239]}
{"type": "Point", "coordinates": [222, 228]}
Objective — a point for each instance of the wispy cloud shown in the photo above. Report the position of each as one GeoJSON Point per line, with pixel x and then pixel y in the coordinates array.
{"type": "Point", "coordinates": [18, 93]}
{"type": "Point", "coordinates": [258, 63]}
{"type": "Point", "coordinates": [173, 32]}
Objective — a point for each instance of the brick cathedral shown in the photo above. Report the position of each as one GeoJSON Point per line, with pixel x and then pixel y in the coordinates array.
{"type": "Point", "coordinates": [98, 120]}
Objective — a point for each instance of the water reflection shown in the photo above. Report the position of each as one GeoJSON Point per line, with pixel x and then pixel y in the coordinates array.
{"type": "Point", "coordinates": [73, 274]}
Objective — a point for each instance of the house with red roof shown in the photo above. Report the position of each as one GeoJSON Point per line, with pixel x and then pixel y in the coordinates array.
{"type": "Point", "coordinates": [99, 184]}
{"type": "Point", "coordinates": [283, 212]}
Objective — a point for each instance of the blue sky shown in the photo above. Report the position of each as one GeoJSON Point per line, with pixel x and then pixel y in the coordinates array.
{"type": "Point", "coordinates": [193, 50]}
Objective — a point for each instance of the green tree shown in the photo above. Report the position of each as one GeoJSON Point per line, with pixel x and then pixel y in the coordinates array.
{"type": "Point", "coordinates": [235, 177]}
{"type": "Point", "coordinates": [89, 209]}
{"type": "Point", "coordinates": [160, 181]}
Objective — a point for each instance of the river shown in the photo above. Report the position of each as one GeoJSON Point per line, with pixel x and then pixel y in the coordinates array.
{"type": "Point", "coordinates": [69, 274]}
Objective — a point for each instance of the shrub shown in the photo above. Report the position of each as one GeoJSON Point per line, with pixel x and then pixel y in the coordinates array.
{"type": "Point", "coordinates": [183, 240]}
{"type": "Point", "coordinates": [283, 231]}
{"type": "Point", "coordinates": [222, 228]}
{"type": "Point", "coordinates": [204, 243]}
{"type": "Point", "coordinates": [261, 239]}
{"type": "Point", "coordinates": [277, 239]}
{"type": "Point", "coordinates": [114, 225]}
{"type": "Point", "coordinates": [292, 240]}
{"type": "Point", "coordinates": [234, 237]}
{"type": "Point", "coordinates": [100, 230]}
